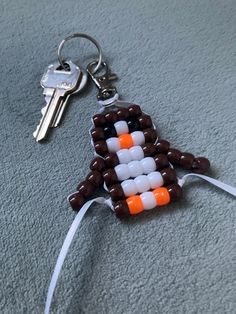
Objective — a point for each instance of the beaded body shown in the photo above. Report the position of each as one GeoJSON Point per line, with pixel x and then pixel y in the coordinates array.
{"type": "Point", "coordinates": [135, 167]}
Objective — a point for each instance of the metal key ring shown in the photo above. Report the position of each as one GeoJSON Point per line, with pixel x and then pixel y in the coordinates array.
{"type": "Point", "coordinates": [82, 35]}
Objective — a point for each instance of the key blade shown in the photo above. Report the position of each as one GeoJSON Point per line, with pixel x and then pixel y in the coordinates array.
{"type": "Point", "coordinates": [43, 111]}
{"type": "Point", "coordinates": [48, 116]}
{"type": "Point", "coordinates": [60, 111]}
{"type": "Point", "coordinates": [63, 105]}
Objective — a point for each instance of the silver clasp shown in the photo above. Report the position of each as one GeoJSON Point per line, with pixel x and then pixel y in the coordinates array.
{"type": "Point", "coordinates": [103, 81]}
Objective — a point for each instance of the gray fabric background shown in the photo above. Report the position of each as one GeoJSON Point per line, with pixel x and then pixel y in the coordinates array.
{"type": "Point", "coordinates": [178, 60]}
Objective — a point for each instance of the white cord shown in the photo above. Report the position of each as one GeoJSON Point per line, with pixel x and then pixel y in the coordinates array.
{"type": "Point", "coordinates": [101, 200]}
{"type": "Point", "coordinates": [227, 188]}
{"type": "Point", "coordinates": [107, 102]}
{"type": "Point", "coordinates": [66, 245]}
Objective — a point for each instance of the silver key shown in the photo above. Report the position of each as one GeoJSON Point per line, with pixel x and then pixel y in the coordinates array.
{"type": "Point", "coordinates": [63, 104]}
{"type": "Point", "coordinates": [48, 92]}
{"type": "Point", "coordinates": [57, 84]}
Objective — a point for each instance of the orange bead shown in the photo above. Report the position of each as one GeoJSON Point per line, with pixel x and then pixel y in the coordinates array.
{"type": "Point", "coordinates": [162, 196]}
{"type": "Point", "coordinates": [126, 141]}
{"type": "Point", "coordinates": [135, 204]}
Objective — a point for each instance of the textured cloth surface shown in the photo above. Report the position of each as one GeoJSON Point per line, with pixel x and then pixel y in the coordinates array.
{"type": "Point", "coordinates": [178, 60]}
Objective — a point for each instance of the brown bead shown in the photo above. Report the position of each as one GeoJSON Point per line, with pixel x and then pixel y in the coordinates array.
{"type": "Point", "coordinates": [95, 177]}
{"type": "Point", "coordinates": [86, 188]}
{"type": "Point", "coordinates": [101, 148]}
{"type": "Point", "coordinates": [99, 120]}
{"type": "Point", "coordinates": [149, 149]}
{"type": "Point", "coordinates": [116, 192]}
{"type": "Point", "coordinates": [111, 117]}
{"type": "Point", "coordinates": [162, 146]}
{"type": "Point", "coordinates": [121, 209]}
{"type": "Point", "coordinates": [168, 175]}
{"type": "Point", "coordinates": [145, 121]}
{"type": "Point", "coordinates": [174, 155]}
{"type": "Point", "coordinates": [134, 111]}
{"type": "Point", "coordinates": [186, 160]}
{"type": "Point", "coordinates": [161, 161]}
{"type": "Point", "coordinates": [98, 164]}
{"type": "Point", "coordinates": [111, 160]}
{"type": "Point", "coordinates": [201, 165]}
{"type": "Point", "coordinates": [97, 134]}
{"type": "Point", "coordinates": [175, 191]}
{"type": "Point", "coordinates": [150, 135]}
{"type": "Point", "coordinates": [110, 177]}
{"type": "Point", "coordinates": [76, 201]}
{"type": "Point", "coordinates": [123, 113]}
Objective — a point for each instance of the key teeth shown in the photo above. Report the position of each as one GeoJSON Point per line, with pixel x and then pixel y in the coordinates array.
{"type": "Point", "coordinates": [35, 133]}
{"type": "Point", "coordinates": [43, 110]}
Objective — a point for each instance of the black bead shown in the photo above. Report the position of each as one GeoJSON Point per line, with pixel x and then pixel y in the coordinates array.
{"type": "Point", "coordinates": [133, 125]}
{"type": "Point", "coordinates": [109, 131]}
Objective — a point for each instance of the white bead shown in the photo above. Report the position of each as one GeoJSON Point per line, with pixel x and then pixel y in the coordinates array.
{"type": "Point", "coordinates": [148, 165]}
{"type": "Point", "coordinates": [135, 168]}
{"type": "Point", "coordinates": [122, 172]}
{"type": "Point", "coordinates": [129, 187]}
{"type": "Point", "coordinates": [124, 156]}
{"type": "Point", "coordinates": [136, 153]}
{"type": "Point", "coordinates": [142, 183]}
{"type": "Point", "coordinates": [113, 144]}
{"type": "Point", "coordinates": [121, 127]}
{"type": "Point", "coordinates": [138, 138]}
{"type": "Point", "coordinates": [155, 179]}
{"type": "Point", "coordinates": [148, 200]}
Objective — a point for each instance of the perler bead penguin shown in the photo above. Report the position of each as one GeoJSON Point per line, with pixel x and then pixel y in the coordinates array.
{"type": "Point", "coordinates": [135, 167]}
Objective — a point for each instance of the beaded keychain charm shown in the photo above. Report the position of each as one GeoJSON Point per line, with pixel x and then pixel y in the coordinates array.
{"type": "Point", "coordinates": [135, 167]}
{"type": "Point", "coordinates": [131, 163]}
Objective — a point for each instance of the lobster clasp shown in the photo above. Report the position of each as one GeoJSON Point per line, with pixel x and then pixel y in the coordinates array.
{"type": "Point", "coordinates": [103, 81]}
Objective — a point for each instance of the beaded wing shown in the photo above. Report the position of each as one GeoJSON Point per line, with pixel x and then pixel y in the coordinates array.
{"type": "Point", "coordinates": [133, 165]}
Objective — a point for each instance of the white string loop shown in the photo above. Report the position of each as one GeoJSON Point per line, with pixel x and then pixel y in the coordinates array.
{"type": "Point", "coordinates": [101, 200]}
{"type": "Point", "coordinates": [223, 186]}
{"type": "Point", "coordinates": [107, 102]}
{"type": "Point", "coordinates": [66, 245]}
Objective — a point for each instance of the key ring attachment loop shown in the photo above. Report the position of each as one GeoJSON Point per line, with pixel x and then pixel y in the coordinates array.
{"type": "Point", "coordinates": [81, 35]}
{"type": "Point", "coordinates": [107, 92]}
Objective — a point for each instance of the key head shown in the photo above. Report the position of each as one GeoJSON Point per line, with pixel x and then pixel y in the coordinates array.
{"type": "Point", "coordinates": [60, 79]}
